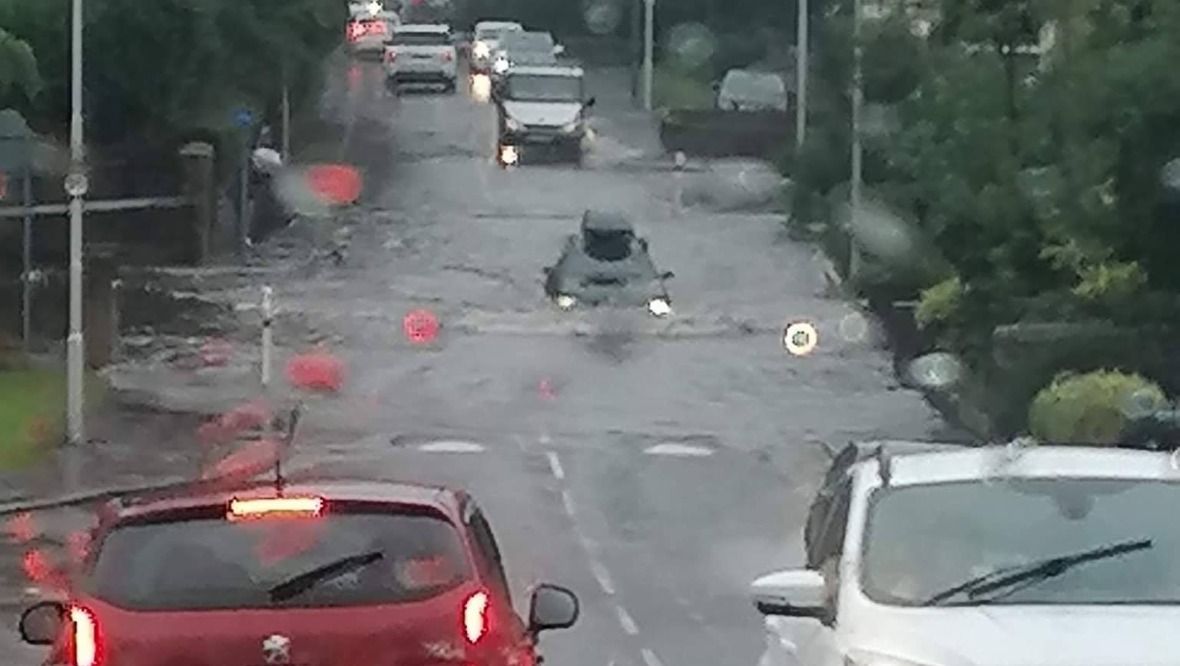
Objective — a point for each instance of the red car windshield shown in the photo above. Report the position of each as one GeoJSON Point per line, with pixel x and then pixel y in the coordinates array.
{"type": "Point", "coordinates": [212, 563]}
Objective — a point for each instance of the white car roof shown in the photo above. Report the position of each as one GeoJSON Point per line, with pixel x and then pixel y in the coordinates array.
{"type": "Point", "coordinates": [548, 70]}
{"type": "Point", "coordinates": [438, 28]}
{"type": "Point", "coordinates": [498, 25]}
{"type": "Point", "coordinates": [1030, 461]}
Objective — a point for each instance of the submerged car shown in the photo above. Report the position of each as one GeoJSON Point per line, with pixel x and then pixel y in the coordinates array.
{"type": "Point", "coordinates": [607, 264]}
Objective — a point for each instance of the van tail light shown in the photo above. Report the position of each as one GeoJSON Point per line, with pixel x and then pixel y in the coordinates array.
{"type": "Point", "coordinates": [390, 55]}
{"type": "Point", "coordinates": [83, 637]}
{"type": "Point", "coordinates": [475, 617]}
{"type": "Point", "coordinates": [446, 56]}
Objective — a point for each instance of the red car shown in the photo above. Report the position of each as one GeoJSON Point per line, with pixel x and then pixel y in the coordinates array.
{"type": "Point", "coordinates": [330, 573]}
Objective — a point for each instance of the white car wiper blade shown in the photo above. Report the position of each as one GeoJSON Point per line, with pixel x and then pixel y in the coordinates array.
{"type": "Point", "coordinates": [1015, 578]}
{"type": "Point", "coordinates": [300, 583]}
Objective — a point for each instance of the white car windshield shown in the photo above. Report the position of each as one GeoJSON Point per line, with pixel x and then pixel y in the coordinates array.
{"type": "Point", "coordinates": [527, 41]}
{"type": "Point", "coordinates": [761, 88]}
{"type": "Point", "coordinates": [921, 541]}
{"type": "Point", "coordinates": [543, 88]}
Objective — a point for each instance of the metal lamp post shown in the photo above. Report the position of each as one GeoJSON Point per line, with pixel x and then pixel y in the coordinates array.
{"type": "Point", "coordinates": [857, 150]}
{"type": "Point", "coordinates": [648, 48]}
{"type": "Point", "coordinates": [801, 48]}
{"type": "Point", "coordinates": [76, 186]}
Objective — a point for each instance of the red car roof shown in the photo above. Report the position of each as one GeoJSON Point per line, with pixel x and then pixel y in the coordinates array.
{"type": "Point", "coordinates": [445, 500]}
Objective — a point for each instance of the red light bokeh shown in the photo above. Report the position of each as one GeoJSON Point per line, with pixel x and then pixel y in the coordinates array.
{"type": "Point", "coordinates": [216, 352]}
{"type": "Point", "coordinates": [420, 326]}
{"type": "Point", "coordinates": [21, 527]}
{"type": "Point", "coordinates": [316, 371]}
{"type": "Point", "coordinates": [336, 184]}
{"type": "Point", "coordinates": [250, 460]}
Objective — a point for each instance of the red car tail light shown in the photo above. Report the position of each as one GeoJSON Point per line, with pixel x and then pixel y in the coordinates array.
{"type": "Point", "coordinates": [475, 617]}
{"type": "Point", "coordinates": [446, 56]}
{"type": "Point", "coordinates": [390, 55]}
{"type": "Point", "coordinates": [84, 637]}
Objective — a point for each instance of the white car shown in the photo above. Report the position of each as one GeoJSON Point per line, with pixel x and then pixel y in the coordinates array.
{"type": "Point", "coordinates": [989, 556]}
{"type": "Point", "coordinates": [421, 54]}
{"type": "Point", "coordinates": [485, 42]}
{"type": "Point", "coordinates": [749, 90]}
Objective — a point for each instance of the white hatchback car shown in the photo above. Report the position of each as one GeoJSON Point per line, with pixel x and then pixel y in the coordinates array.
{"type": "Point", "coordinates": [421, 53]}
{"type": "Point", "coordinates": [927, 555]}
{"type": "Point", "coordinates": [485, 41]}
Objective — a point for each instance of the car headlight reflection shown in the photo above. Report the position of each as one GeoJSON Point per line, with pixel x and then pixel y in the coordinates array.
{"type": "Point", "coordinates": [481, 50]}
{"type": "Point", "coordinates": [565, 301]}
{"type": "Point", "coordinates": [500, 66]}
{"type": "Point", "coordinates": [659, 307]}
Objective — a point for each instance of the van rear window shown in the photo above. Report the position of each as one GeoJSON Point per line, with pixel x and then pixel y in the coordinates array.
{"type": "Point", "coordinates": [211, 563]}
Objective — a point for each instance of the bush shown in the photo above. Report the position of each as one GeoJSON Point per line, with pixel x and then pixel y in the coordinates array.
{"type": "Point", "coordinates": [1090, 408]}
{"type": "Point", "coordinates": [677, 88]}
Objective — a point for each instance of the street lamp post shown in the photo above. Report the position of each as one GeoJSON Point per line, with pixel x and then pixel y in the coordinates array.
{"type": "Point", "coordinates": [854, 196]}
{"type": "Point", "coordinates": [801, 49]}
{"type": "Point", "coordinates": [648, 48]}
{"type": "Point", "coordinates": [76, 187]}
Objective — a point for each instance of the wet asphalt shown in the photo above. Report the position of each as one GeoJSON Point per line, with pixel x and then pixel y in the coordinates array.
{"type": "Point", "coordinates": [655, 467]}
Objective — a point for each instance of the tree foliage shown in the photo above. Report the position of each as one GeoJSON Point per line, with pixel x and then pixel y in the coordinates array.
{"type": "Point", "coordinates": [19, 78]}
{"type": "Point", "coordinates": [163, 69]}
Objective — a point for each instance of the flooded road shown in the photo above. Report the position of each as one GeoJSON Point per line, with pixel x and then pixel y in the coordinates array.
{"type": "Point", "coordinates": [654, 466]}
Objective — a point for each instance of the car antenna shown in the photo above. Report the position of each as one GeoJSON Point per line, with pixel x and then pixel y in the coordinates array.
{"type": "Point", "coordinates": [288, 440]}
{"type": "Point", "coordinates": [884, 464]}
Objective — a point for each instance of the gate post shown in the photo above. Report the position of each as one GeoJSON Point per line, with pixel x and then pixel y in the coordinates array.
{"type": "Point", "coordinates": [197, 163]}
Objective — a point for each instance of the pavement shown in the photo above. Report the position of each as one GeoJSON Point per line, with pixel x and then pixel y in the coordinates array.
{"type": "Point", "coordinates": [654, 467]}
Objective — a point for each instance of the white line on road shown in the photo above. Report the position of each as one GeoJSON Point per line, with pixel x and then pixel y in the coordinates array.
{"type": "Point", "coordinates": [451, 446]}
{"type": "Point", "coordinates": [555, 465]}
{"type": "Point", "coordinates": [650, 658]}
{"type": "Point", "coordinates": [674, 449]}
{"type": "Point", "coordinates": [626, 620]}
{"type": "Point", "coordinates": [603, 577]}
{"type": "Point", "coordinates": [568, 502]}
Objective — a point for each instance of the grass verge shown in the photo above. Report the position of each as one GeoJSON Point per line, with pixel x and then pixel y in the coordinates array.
{"type": "Point", "coordinates": [32, 411]}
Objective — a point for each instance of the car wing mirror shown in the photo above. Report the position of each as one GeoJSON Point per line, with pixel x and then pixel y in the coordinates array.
{"type": "Point", "coordinates": [667, 275]}
{"type": "Point", "coordinates": [558, 49]}
{"type": "Point", "coordinates": [716, 86]}
{"type": "Point", "coordinates": [42, 623]}
{"type": "Point", "coordinates": [552, 607]}
{"type": "Point", "coordinates": [590, 102]}
{"type": "Point", "coordinates": [791, 593]}
{"type": "Point", "coordinates": [546, 271]}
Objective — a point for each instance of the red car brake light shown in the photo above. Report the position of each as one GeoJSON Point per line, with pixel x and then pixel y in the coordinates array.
{"type": "Point", "coordinates": [475, 617]}
{"type": "Point", "coordinates": [84, 637]}
{"type": "Point", "coordinates": [390, 55]}
{"type": "Point", "coordinates": [275, 507]}
{"type": "Point", "coordinates": [446, 56]}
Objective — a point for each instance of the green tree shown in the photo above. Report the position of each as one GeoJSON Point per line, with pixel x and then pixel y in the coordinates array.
{"type": "Point", "coordinates": [19, 78]}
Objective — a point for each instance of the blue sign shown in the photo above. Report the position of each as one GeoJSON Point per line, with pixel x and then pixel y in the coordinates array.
{"type": "Point", "coordinates": [243, 118]}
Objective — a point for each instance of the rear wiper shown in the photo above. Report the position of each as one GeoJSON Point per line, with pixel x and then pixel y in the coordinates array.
{"type": "Point", "coordinates": [1033, 572]}
{"type": "Point", "coordinates": [300, 583]}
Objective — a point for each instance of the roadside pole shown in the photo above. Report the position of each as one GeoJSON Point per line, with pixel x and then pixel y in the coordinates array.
{"type": "Point", "coordinates": [286, 119]}
{"type": "Point", "coordinates": [854, 258]}
{"type": "Point", "coordinates": [801, 52]}
{"type": "Point", "coordinates": [27, 264]}
{"type": "Point", "coordinates": [648, 48]}
{"type": "Point", "coordinates": [76, 187]}
{"type": "Point", "coordinates": [267, 353]}
{"type": "Point", "coordinates": [244, 119]}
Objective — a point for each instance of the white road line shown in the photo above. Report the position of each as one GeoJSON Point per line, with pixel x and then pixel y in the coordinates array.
{"type": "Point", "coordinates": [674, 449]}
{"type": "Point", "coordinates": [451, 446]}
{"type": "Point", "coordinates": [555, 465]}
{"type": "Point", "coordinates": [626, 621]}
{"type": "Point", "coordinates": [568, 502]}
{"type": "Point", "coordinates": [650, 658]}
{"type": "Point", "coordinates": [603, 576]}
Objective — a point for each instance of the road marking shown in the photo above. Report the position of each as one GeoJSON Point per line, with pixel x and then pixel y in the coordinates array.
{"type": "Point", "coordinates": [674, 449]}
{"type": "Point", "coordinates": [568, 502]}
{"type": "Point", "coordinates": [451, 446]}
{"type": "Point", "coordinates": [555, 465]}
{"type": "Point", "coordinates": [650, 658]}
{"type": "Point", "coordinates": [626, 620]}
{"type": "Point", "coordinates": [603, 577]}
